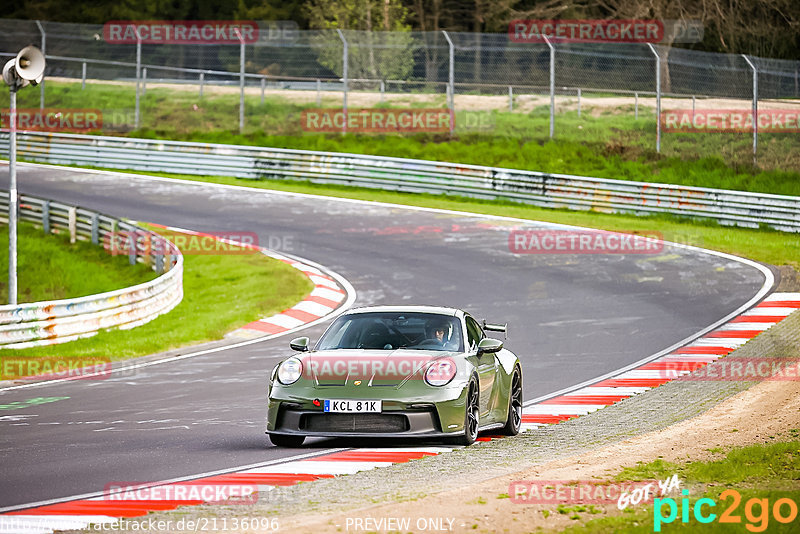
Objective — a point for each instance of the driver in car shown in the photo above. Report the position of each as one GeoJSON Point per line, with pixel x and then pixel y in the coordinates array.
{"type": "Point", "coordinates": [438, 330]}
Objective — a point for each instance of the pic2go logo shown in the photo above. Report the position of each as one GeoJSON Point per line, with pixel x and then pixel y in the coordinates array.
{"type": "Point", "coordinates": [756, 511]}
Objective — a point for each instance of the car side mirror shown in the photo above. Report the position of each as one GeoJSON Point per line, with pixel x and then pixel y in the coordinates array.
{"type": "Point", "coordinates": [489, 345]}
{"type": "Point", "coordinates": [300, 344]}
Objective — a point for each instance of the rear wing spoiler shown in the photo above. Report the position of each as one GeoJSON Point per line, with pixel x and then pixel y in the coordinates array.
{"type": "Point", "coordinates": [496, 327]}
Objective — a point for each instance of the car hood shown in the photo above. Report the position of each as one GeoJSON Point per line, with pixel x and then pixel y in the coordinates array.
{"type": "Point", "coordinates": [371, 367]}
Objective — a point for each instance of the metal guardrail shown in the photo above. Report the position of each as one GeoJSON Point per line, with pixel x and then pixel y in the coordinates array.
{"type": "Point", "coordinates": [395, 174]}
{"type": "Point", "coordinates": [58, 321]}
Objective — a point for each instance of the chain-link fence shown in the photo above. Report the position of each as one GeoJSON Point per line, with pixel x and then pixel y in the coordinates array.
{"type": "Point", "coordinates": [560, 83]}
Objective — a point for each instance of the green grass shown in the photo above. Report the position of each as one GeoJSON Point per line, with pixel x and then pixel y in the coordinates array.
{"type": "Point", "coordinates": [602, 143]}
{"type": "Point", "coordinates": [769, 471]}
{"type": "Point", "coordinates": [50, 268]}
{"type": "Point", "coordinates": [221, 292]}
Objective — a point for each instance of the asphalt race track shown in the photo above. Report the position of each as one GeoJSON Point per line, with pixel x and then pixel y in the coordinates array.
{"type": "Point", "coordinates": [571, 318]}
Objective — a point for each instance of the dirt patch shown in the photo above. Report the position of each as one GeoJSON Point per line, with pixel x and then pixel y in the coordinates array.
{"type": "Point", "coordinates": [765, 411]}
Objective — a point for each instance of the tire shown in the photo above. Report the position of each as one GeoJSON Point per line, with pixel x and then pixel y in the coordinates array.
{"type": "Point", "coordinates": [471, 417]}
{"type": "Point", "coordinates": [514, 421]}
{"type": "Point", "coordinates": [284, 440]}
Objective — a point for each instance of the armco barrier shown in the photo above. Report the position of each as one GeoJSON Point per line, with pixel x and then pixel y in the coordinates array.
{"type": "Point", "coordinates": [58, 321]}
{"type": "Point", "coordinates": [541, 189]}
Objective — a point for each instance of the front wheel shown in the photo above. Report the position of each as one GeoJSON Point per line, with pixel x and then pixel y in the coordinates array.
{"type": "Point", "coordinates": [471, 418]}
{"type": "Point", "coordinates": [514, 421]}
{"type": "Point", "coordinates": [284, 440]}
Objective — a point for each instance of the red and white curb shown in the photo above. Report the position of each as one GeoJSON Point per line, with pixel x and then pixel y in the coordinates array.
{"type": "Point", "coordinates": [696, 355]}
{"type": "Point", "coordinates": [109, 508]}
{"type": "Point", "coordinates": [327, 296]}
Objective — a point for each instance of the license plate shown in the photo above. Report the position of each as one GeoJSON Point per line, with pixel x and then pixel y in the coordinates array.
{"type": "Point", "coordinates": [352, 406]}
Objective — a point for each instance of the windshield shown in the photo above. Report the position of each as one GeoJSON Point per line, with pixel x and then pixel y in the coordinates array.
{"type": "Point", "coordinates": [393, 330]}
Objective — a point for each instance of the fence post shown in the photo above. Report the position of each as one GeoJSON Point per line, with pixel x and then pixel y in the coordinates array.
{"type": "Point", "coordinates": [319, 92]}
{"type": "Point", "coordinates": [44, 53]}
{"type": "Point", "coordinates": [383, 90]}
{"type": "Point", "coordinates": [202, 81]}
{"type": "Point", "coordinates": [636, 105]}
{"type": "Point", "coordinates": [451, 82]}
{"type": "Point", "coordinates": [263, 88]}
{"type": "Point", "coordinates": [144, 82]}
{"type": "Point", "coordinates": [138, 74]}
{"type": "Point", "coordinates": [344, 79]}
{"type": "Point", "coordinates": [552, 85]}
{"type": "Point", "coordinates": [510, 99]}
{"type": "Point", "coordinates": [755, 109]}
{"type": "Point", "coordinates": [83, 76]}
{"type": "Point", "coordinates": [579, 102]}
{"type": "Point", "coordinates": [658, 97]}
{"type": "Point", "coordinates": [241, 80]}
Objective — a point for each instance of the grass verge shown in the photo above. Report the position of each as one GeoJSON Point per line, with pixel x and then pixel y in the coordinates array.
{"type": "Point", "coordinates": [602, 142]}
{"type": "Point", "coordinates": [761, 475]}
{"type": "Point", "coordinates": [221, 292]}
{"type": "Point", "coordinates": [50, 268]}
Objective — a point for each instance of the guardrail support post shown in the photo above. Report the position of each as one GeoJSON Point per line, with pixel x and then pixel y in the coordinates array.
{"type": "Point", "coordinates": [202, 81]}
{"type": "Point", "coordinates": [131, 248]}
{"type": "Point", "coordinates": [510, 99]}
{"type": "Point", "coordinates": [755, 109]}
{"type": "Point", "coordinates": [46, 216]}
{"type": "Point", "coordinates": [451, 81]}
{"type": "Point", "coordinates": [552, 85]}
{"type": "Point", "coordinates": [72, 223]}
{"type": "Point", "coordinates": [83, 76]}
{"type": "Point", "coordinates": [344, 79]}
{"type": "Point", "coordinates": [159, 262]}
{"type": "Point", "coordinates": [579, 102]}
{"type": "Point", "coordinates": [383, 90]}
{"type": "Point", "coordinates": [319, 92]}
{"type": "Point", "coordinates": [636, 105]}
{"type": "Point", "coordinates": [44, 53]}
{"type": "Point", "coordinates": [658, 96]}
{"type": "Point", "coordinates": [95, 229]}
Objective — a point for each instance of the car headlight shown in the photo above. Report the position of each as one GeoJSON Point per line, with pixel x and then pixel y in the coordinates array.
{"type": "Point", "coordinates": [289, 371]}
{"type": "Point", "coordinates": [440, 372]}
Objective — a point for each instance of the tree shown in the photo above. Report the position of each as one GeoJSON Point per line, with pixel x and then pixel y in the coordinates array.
{"type": "Point", "coordinates": [379, 39]}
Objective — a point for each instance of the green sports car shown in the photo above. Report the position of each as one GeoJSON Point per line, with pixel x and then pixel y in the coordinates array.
{"type": "Point", "coordinates": [398, 372]}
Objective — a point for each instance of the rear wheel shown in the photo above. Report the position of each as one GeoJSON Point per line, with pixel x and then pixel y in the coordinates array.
{"type": "Point", "coordinates": [471, 417]}
{"type": "Point", "coordinates": [284, 440]}
{"type": "Point", "coordinates": [514, 421]}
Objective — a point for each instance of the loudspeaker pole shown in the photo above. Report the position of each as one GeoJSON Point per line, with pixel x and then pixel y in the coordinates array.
{"type": "Point", "coordinates": [12, 200]}
{"type": "Point", "coordinates": [27, 68]}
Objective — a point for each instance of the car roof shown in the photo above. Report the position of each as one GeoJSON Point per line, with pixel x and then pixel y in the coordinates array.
{"type": "Point", "coordinates": [440, 310]}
